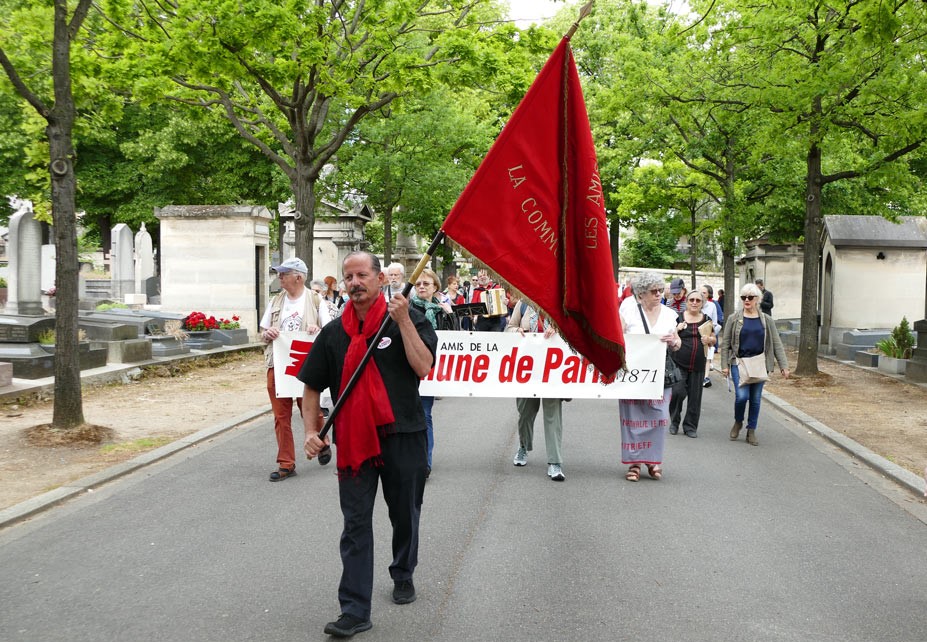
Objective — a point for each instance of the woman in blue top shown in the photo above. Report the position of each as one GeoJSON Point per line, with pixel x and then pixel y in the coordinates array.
{"type": "Point", "coordinates": [748, 333]}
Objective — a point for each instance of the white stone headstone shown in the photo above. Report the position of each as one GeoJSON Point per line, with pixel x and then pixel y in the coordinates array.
{"type": "Point", "coordinates": [122, 262]}
{"type": "Point", "coordinates": [24, 288]}
{"type": "Point", "coordinates": [144, 260]}
{"type": "Point", "coordinates": [47, 270]}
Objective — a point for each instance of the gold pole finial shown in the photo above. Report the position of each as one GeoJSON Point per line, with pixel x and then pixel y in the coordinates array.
{"type": "Point", "coordinates": [585, 11]}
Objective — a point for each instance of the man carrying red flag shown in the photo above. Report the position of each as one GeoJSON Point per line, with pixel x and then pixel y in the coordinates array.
{"type": "Point", "coordinates": [539, 188]}
{"type": "Point", "coordinates": [381, 431]}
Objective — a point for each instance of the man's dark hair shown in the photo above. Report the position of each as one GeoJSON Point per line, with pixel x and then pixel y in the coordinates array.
{"type": "Point", "coordinates": [374, 261]}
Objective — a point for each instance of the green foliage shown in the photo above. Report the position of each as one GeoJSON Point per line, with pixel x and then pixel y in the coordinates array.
{"type": "Point", "coordinates": [373, 232]}
{"type": "Point", "coordinates": [46, 337]}
{"type": "Point", "coordinates": [651, 247]}
{"type": "Point", "coordinates": [2, 282]}
{"type": "Point", "coordinates": [900, 344]}
{"type": "Point", "coordinates": [103, 307]}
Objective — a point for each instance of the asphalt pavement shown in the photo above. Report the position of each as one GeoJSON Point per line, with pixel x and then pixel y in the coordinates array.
{"type": "Point", "coordinates": [794, 540]}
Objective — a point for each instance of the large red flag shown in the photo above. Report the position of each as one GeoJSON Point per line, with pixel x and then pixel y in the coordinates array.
{"type": "Point", "coordinates": [534, 213]}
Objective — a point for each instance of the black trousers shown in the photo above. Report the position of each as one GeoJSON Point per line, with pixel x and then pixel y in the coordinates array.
{"type": "Point", "coordinates": [405, 458]}
{"type": "Point", "coordinates": [691, 387]}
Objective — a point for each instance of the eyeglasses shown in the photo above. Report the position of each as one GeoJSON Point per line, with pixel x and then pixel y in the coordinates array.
{"type": "Point", "coordinates": [657, 292]}
{"type": "Point", "coordinates": [747, 297]}
{"type": "Point", "coordinates": [695, 300]}
{"type": "Point", "coordinates": [419, 284]}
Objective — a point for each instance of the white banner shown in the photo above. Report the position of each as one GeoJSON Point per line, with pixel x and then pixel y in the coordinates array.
{"type": "Point", "coordinates": [505, 364]}
{"type": "Point", "coordinates": [290, 350]}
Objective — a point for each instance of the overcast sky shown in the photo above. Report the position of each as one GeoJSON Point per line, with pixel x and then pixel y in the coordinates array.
{"type": "Point", "coordinates": [527, 12]}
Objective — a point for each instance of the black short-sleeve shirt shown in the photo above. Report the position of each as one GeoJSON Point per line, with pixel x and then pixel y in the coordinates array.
{"type": "Point", "coordinates": [323, 367]}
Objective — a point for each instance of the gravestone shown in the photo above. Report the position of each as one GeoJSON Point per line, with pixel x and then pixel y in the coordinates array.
{"type": "Point", "coordinates": [858, 340]}
{"type": "Point", "coordinates": [47, 278]}
{"type": "Point", "coordinates": [24, 329]}
{"type": "Point", "coordinates": [122, 262]}
{"type": "Point", "coordinates": [917, 365]}
{"type": "Point", "coordinates": [128, 350]}
{"type": "Point", "coordinates": [104, 330]}
{"type": "Point", "coordinates": [166, 345]}
{"type": "Point", "coordinates": [29, 360]}
{"type": "Point", "coordinates": [24, 288]}
{"type": "Point", "coordinates": [145, 280]}
{"type": "Point", "coordinates": [6, 374]}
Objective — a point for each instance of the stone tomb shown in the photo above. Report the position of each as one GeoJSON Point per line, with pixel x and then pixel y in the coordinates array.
{"type": "Point", "coordinates": [24, 329]}
{"type": "Point", "coordinates": [859, 341]}
{"type": "Point", "coordinates": [32, 361]}
{"type": "Point", "coordinates": [121, 339]}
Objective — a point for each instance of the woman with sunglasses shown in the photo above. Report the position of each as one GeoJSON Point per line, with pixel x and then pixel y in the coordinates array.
{"type": "Point", "coordinates": [426, 300]}
{"type": "Point", "coordinates": [748, 333]}
{"type": "Point", "coordinates": [644, 421]}
{"type": "Point", "coordinates": [691, 359]}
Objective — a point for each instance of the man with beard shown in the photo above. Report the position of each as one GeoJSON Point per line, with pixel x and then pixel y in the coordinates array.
{"type": "Point", "coordinates": [381, 431]}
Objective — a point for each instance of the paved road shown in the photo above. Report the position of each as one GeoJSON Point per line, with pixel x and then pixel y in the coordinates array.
{"type": "Point", "coordinates": [788, 541]}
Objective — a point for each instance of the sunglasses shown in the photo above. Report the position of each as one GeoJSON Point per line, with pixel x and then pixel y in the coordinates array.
{"type": "Point", "coordinates": [747, 297]}
{"type": "Point", "coordinates": [694, 300]}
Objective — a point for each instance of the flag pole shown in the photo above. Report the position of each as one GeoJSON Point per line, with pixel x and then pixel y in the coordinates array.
{"type": "Point", "coordinates": [325, 455]}
{"type": "Point", "coordinates": [585, 11]}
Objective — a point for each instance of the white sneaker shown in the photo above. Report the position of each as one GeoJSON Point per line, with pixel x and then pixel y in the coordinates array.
{"type": "Point", "coordinates": [521, 457]}
{"type": "Point", "coordinates": [555, 472]}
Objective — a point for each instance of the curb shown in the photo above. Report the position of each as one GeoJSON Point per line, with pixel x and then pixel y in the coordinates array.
{"type": "Point", "coordinates": [900, 475]}
{"type": "Point", "coordinates": [30, 507]}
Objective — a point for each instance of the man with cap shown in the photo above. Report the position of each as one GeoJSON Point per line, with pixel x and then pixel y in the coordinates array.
{"type": "Point", "coordinates": [295, 308]}
{"type": "Point", "coordinates": [678, 290]}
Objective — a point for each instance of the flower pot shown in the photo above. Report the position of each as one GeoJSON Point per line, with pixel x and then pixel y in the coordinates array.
{"type": "Point", "coordinates": [233, 337]}
{"type": "Point", "coordinates": [891, 365]}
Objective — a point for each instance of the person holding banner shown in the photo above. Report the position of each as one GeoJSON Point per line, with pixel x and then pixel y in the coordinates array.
{"type": "Point", "coordinates": [381, 431]}
{"type": "Point", "coordinates": [294, 308]}
{"type": "Point", "coordinates": [427, 302]}
{"type": "Point", "coordinates": [526, 319]}
{"type": "Point", "coordinates": [644, 421]}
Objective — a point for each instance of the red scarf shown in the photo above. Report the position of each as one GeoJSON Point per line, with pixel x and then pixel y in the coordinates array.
{"type": "Point", "coordinates": [368, 406]}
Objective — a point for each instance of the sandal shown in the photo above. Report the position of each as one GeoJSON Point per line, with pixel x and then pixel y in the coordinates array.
{"type": "Point", "coordinates": [282, 473]}
{"type": "Point", "coordinates": [655, 471]}
{"type": "Point", "coordinates": [634, 473]}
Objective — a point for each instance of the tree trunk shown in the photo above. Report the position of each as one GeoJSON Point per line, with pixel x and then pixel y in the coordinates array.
{"type": "Point", "coordinates": [727, 263]}
{"type": "Point", "coordinates": [304, 192]}
{"type": "Point", "coordinates": [387, 236]}
{"type": "Point", "coordinates": [693, 248]}
{"type": "Point", "coordinates": [68, 405]}
{"type": "Point", "coordinates": [808, 335]}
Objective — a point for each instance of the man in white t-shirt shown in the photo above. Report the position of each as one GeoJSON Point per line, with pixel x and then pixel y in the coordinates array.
{"type": "Point", "coordinates": [295, 308]}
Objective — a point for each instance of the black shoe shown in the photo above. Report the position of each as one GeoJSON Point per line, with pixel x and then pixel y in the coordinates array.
{"type": "Point", "coordinates": [404, 592]}
{"type": "Point", "coordinates": [706, 383]}
{"type": "Point", "coordinates": [691, 434]}
{"type": "Point", "coordinates": [674, 430]}
{"type": "Point", "coordinates": [347, 625]}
